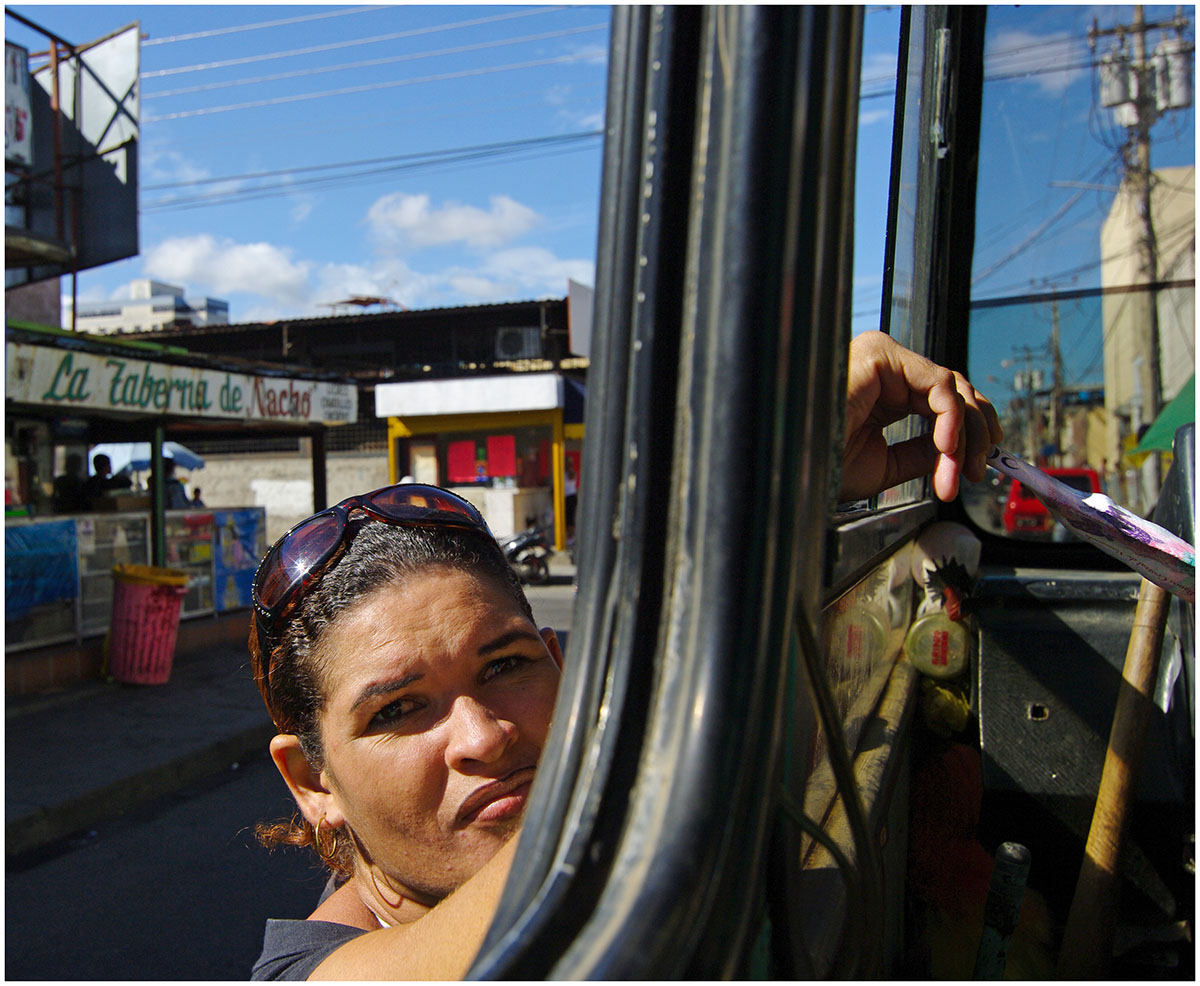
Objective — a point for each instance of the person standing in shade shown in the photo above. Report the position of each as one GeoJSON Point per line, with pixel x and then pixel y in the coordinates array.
{"type": "Point", "coordinates": [176, 495]}
{"type": "Point", "coordinates": [68, 496]}
{"type": "Point", "coordinates": [571, 492]}
{"type": "Point", "coordinates": [102, 480]}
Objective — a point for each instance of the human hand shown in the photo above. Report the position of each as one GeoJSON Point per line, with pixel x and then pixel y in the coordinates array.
{"type": "Point", "coordinates": [887, 382]}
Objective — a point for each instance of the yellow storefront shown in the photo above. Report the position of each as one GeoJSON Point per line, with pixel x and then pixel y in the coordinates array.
{"type": "Point", "coordinates": [510, 444]}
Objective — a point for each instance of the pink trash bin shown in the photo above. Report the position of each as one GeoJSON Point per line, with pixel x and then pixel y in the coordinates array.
{"type": "Point", "coordinates": [145, 623]}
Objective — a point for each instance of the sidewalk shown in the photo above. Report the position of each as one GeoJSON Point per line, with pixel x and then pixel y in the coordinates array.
{"type": "Point", "coordinates": [93, 750]}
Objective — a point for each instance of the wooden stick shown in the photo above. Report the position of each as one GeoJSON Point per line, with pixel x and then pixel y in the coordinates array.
{"type": "Point", "coordinates": [1087, 941]}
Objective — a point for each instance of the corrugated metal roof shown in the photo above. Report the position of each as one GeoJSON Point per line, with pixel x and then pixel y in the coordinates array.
{"type": "Point", "coordinates": [394, 315]}
{"type": "Point", "coordinates": [144, 349]}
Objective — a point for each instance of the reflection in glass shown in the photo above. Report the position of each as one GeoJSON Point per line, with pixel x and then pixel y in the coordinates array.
{"type": "Point", "coordinates": [1083, 288]}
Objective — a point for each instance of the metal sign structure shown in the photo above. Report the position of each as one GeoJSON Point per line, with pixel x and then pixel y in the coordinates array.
{"type": "Point", "coordinates": [73, 204]}
{"type": "Point", "coordinates": [73, 380]}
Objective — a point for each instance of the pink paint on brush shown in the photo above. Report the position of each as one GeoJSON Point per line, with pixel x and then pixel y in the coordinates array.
{"type": "Point", "coordinates": [1166, 560]}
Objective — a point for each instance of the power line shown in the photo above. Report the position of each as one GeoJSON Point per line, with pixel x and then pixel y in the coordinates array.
{"type": "Point", "coordinates": [400, 162]}
{"type": "Point", "coordinates": [147, 42]}
{"type": "Point", "coordinates": [337, 123]}
{"type": "Point", "coordinates": [370, 87]}
{"type": "Point", "coordinates": [1016, 221]}
{"type": "Point", "coordinates": [364, 178]}
{"type": "Point", "coordinates": [1091, 265]}
{"type": "Point", "coordinates": [375, 39]}
{"type": "Point", "coordinates": [420, 155]}
{"type": "Point", "coordinates": [546, 36]}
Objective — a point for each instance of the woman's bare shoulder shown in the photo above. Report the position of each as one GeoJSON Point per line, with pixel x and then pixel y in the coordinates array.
{"type": "Point", "coordinates": [439, 945]}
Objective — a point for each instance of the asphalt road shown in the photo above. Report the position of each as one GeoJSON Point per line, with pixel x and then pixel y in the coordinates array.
{"type": "Point", "coordinates": [176, 890]}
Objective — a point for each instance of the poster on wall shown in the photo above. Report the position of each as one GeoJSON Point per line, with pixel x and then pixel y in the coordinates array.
{"type": "Point", "coordinates": [460, 461]}
{"type": "Point", "coordinates": [18, 129]}
{"type": "Point", "coordinates": [502, 455]}
{"type": "Point", "coordinates": [241, 542]}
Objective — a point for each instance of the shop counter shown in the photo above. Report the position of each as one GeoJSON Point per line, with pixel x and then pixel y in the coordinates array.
{"type": "Point", "coordinates": [507, 509]}
{"type": "Point", "coordinates": [58, 570]}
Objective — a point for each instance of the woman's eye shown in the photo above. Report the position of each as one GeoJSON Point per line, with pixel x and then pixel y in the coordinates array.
{"type": "Point", "coordinates": [499, 666]}
{"type": "Point", "coordinates": [397, 710]}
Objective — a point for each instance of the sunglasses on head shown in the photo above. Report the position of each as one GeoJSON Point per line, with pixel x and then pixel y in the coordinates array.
{"type": "Point", "coordinates": [299, 557]}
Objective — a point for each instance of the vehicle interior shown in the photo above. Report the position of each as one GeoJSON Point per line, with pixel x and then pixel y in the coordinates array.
{"type": "Point", "coordinates": [751, 772]}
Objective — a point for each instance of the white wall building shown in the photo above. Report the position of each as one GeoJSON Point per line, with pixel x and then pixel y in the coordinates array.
{"type": "Point", "coordinates": [1126, 358]}
{"type": "Point", "coordinates": [153, 306]}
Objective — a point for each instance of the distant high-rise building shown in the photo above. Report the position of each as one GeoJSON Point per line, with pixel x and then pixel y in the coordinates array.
{"type": "Point", "coordinates": [152, 307]}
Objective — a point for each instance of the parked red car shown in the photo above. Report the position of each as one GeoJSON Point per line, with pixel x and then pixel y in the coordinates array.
{"type": "Point", "coordinates": [1024, 512]}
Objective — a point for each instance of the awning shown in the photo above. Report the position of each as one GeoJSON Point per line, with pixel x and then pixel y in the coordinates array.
{"type": "Point", "coordinates": [136, 455]}
{"type": "Point", "coordinates": [470, 395]}
{"type": "Point", "coordinates": [1182, 409]}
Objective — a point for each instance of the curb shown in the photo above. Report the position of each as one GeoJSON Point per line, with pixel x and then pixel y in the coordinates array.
{"type": "Point", "coordinates": [47, 825]}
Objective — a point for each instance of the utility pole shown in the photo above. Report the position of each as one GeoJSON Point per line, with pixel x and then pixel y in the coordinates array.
{"type": "Point", "coordinates": [1057, 382]}
{"type": "Point", "coordinates": [1028, 382]}
{"type": "Point", "coordinates": [1140, 179]}
{"type": "Point", "coordinates": [1056, 392]}
{"type": "Point", "coordinates": [1140, 90]}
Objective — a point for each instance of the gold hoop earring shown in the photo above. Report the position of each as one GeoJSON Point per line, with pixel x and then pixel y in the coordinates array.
{"type": "Point", "coordinates": [332, 850]}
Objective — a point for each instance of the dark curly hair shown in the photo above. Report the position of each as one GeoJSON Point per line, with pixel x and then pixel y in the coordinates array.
{"type": "Point", "coordinates": [375, 554]}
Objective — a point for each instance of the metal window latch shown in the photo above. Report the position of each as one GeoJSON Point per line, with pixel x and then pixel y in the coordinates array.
{"type": "Point", "coordinates": [941, 94]}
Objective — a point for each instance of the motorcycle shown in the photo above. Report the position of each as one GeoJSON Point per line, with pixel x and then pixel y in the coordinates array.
{"type": "Point", "coordinates": [528, 552]}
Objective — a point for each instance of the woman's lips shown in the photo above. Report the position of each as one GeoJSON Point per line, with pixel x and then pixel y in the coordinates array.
{"type": "Point", "coordinates": [498, 800]}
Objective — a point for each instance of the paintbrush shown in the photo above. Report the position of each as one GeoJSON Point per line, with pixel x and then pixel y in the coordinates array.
{"type": "Point", "coordinates": [1152, 551]}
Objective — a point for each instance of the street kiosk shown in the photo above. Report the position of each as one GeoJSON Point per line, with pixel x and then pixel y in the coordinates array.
{"type": "Point", "coordinates": [66, 392]}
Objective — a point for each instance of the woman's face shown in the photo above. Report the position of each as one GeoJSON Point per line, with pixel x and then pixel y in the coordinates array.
{"type": "Point", "coordinates": [439, 693]}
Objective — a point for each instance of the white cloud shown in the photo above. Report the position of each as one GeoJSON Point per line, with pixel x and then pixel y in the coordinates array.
{"type": "Point", "coordinates": [523, 272]}
{"type": "Point", "coordinates": [203, 264]}
{"type": "Point", "coordinates": [93, 293]}
{"type": "Point", "coordinates": [1015, 52]}
{"type": "Point", "coordinates": [591, 54]}
{"type": "Point", "coordinates": [162, 166]}
{"type": "Point", "coordinates": [391, 278]}
{"type": "Point", "coordinates": [169, 167]}
{"type": "Point", "coordinates": [264, 281]}
{"type": "Point", "coordinates": [474, 286]}
{"type": "Point", "coordinates": [408, 219]}
{"type": "Point", "coordinates": [876, 116]}
{"type": "Point", "coordinates": [302, 206]}
{"type": "Point", "coordinates": [557, 95]}
{"type": "Point", "coordinates": [879, 70]}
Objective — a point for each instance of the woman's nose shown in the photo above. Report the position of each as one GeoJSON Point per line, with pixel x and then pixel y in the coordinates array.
{"type": "Point", "coordinates": [477, 734]}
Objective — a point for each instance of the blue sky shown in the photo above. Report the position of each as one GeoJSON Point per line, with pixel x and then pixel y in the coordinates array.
{"type": "Point", "coordinates": [232, 91]}
{"type": "Point", "coordinates": [1050, 165]}
{"type": "Point", "coordinates": [493, 228]}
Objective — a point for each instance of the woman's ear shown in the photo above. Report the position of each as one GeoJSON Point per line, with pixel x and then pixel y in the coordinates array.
{"type": "Point", "coordinates": [551, 639]}
{"type": "Point", "coordinates": [306, 783]}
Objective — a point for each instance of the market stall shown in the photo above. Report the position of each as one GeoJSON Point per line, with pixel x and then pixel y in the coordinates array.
{"type": "Point", "coordinates": [68, 395]}
{"type": "Point", "coordinates": [509, 444]}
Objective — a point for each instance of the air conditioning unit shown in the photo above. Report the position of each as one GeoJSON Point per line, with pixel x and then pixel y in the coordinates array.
{"type": "Point", "coordinates": [519, 343]}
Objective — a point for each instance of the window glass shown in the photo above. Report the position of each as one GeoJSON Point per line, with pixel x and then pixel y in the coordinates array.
{"type": "Point", "coordinates": [892, 287]}
{"type": "Point", "coordinates": [1082, 323]}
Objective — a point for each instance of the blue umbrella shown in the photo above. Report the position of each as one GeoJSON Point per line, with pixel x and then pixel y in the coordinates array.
{"type": "Point", "coordinates": [135, 456]}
